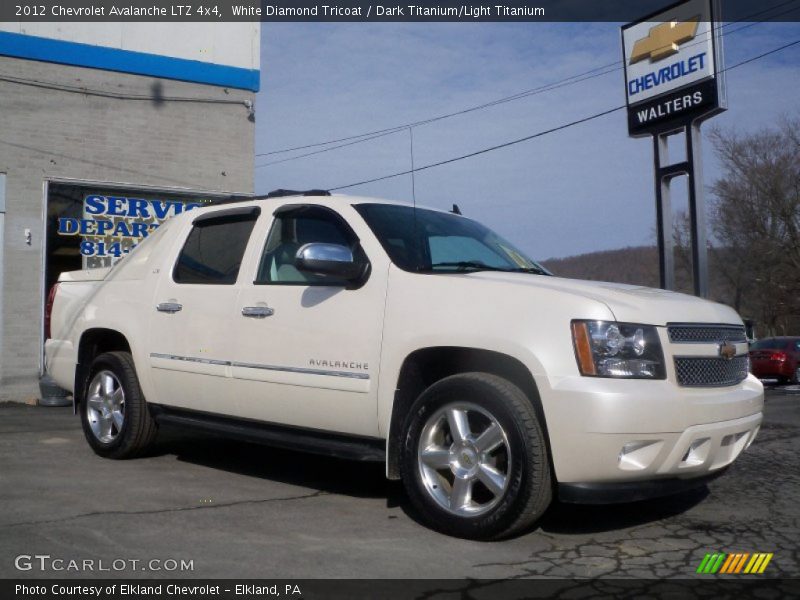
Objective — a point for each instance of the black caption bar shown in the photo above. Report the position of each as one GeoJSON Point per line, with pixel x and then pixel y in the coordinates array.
{"type": "Point", "coordinates": [388, 589]}
{"type": "Point", "coordinates": [360, 10]}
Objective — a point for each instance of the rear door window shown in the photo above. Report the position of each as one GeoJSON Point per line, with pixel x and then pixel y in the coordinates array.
{"type": "Point", "coordinates": [214, 249]}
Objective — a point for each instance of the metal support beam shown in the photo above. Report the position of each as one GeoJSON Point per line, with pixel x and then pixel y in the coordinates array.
{"type": "Point", "coordinates": [666, 255]}
{"type": "Point", "coordinates": [697, 211]}
{"type": "Point", "coordinates": [692, 167]}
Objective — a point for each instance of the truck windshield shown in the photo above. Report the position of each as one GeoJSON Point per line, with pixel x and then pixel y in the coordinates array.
{"type": "Point", "coordinates": [438, 242]}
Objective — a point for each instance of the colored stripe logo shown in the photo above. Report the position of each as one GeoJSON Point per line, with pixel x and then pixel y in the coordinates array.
{"type": "Point", "coordinates": [731, 564]}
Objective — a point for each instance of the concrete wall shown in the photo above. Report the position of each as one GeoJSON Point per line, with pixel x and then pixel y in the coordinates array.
{"type": "Point", "coordinates": [50, 133]}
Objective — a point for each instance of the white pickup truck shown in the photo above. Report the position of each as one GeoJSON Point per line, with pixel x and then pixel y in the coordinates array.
{"type": "Point", "coordinates": [375, 330]}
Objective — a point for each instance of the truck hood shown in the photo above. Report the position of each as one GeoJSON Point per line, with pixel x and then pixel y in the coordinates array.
{"type": "Point", "coordinates": [628, 303]}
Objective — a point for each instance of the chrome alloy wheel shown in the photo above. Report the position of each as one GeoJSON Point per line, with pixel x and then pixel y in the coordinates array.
{"type": "Point", "coordinates": [464, 459]}
{"type": "Point", "coordinates": [105, 406]}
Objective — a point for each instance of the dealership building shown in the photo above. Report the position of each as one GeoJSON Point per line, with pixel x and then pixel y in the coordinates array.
{"type": "Point", "coordinates": [107, 129]}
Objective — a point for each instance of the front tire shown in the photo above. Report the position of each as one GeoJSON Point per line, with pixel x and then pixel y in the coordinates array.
{"type": "Point", "coordinates": [474, 459]}
{"type": "Point", "coordinates": [115, 418]}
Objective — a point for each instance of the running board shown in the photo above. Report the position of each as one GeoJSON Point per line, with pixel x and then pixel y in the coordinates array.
{"type": "Point", "coordinates": [314, 441]}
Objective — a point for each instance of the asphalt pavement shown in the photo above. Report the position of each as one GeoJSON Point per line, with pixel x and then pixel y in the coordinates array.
{"type": "Point", "coordinates": [230, 509]}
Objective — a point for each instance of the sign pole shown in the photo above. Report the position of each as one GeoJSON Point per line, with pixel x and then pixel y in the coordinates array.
{"type": "Point", "coordinates": [666, 256]}
{"type": "Point", "coordinates": [692, 168]}
{"type": "Point", "coordinates": [697, 210]}
{"type": "Point", "coordinates": [674, 80]}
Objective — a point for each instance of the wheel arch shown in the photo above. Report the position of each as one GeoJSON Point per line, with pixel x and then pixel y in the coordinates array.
{"type": "Point", "coordinates": [92, 343]}
{"type": "Point", "coordinates": [425, 366]}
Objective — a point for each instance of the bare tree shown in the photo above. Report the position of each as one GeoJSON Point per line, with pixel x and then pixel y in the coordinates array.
{"type": "Point", "coordinates": [682, 244]}
{"type": "Point", "coordinates": [756, 221]}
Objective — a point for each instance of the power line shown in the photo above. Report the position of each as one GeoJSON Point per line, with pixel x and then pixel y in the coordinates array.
{"type": "Point", "coordinates": [85, 91]}
{"type": "Point", "coordinates": [358, 139]}
{"type": "Point", "coordinates": [484, 150]}
{"type": "Point", "coordinates": [571, 80]}
{"type": "Point", "coordinates": [389, 130]}
{"type": "Point", "coordinates": [545, 132]}
{"type": "Point", "coordinates": [365, 137]}
{"type": "Point", "coordinates": [427, 121]}
{"type": "Point", "coordinates": [525, 94]}
{"type": "Point", "coordinates": [755, 58]}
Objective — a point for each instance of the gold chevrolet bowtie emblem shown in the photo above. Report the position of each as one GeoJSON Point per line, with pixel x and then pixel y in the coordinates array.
{"type": "Point", "coordinates": [727, 350]}
{"type": "Point", "coordinates": [663, 40]}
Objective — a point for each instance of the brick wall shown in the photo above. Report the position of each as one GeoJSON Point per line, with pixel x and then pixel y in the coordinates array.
{"type": "Point", "coordinates": [49, 133]}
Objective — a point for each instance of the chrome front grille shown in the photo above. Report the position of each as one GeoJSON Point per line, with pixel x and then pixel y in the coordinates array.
{"type": "Point", "coordinates": [698, 371]}
{"type": "Point", "coordinates": [708, 371]}
{"type": "Point", "coordinates": [705, 334]}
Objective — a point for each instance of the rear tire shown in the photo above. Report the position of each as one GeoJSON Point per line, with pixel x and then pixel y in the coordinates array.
{"type": "Point", "coordinates": [474, 458]}
{"type": "Point", "coordinates": [114, 414]}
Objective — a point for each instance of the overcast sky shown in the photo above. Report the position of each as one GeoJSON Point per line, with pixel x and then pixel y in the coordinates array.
{"type": "Point", "coordinates": [586, 188]}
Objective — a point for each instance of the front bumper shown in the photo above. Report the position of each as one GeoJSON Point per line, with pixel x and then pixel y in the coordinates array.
{"type": "Point", "coordinates": [614, 431]}
{"type": "Point", "coordinates": [630, 491]}
{"type": "Point", "coordinates": [628, 467]}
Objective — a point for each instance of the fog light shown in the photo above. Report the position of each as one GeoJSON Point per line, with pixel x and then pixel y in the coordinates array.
{"type": "Point", "coordinates": [753, 437]}
{"type": "Point", "coordinates": [730, 447]}
{"type": "Point", "coordinates": [697, 453]}
{"type": "Point", "coordinates": [636, 456]}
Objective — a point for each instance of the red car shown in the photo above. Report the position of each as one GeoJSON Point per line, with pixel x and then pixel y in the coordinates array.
{"type": "Point", "coordinates": [776, 358]}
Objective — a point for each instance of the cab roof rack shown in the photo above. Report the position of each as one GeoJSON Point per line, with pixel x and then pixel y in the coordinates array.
{"type": "Point", "coordinates": [283, 193]}
{"type": "Point", "coordinates": [228, 200]}
{"type": "Point", "coordinates": [272, 194]}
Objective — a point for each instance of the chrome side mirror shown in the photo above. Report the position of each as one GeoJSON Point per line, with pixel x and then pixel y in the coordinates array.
{"type": "Point", "coordinates": [330, 260]}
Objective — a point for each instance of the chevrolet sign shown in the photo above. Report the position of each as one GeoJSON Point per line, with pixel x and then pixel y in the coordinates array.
{"type": "Point", "coordinates": [671, 67]}
{"type": "Point", "coordinates": [663, 40]}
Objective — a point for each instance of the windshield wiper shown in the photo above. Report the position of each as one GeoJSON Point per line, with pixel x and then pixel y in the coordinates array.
{"type": "Point", "coordinates": [534, 270]}
{"type": "Point", "coordinates": [475, 265]}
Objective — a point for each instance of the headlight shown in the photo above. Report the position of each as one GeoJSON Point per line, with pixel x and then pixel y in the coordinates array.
{"type": "Point", "coordinates": [610, 349]}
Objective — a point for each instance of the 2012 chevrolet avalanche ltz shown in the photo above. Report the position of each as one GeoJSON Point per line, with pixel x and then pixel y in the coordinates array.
{"type": "Point", "coordinates": [375, 330]}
